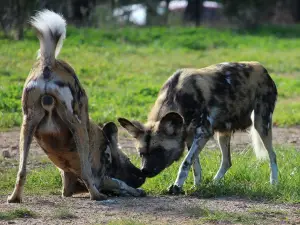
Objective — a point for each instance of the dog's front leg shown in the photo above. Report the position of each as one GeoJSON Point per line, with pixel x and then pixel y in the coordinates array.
{"type": "Point", "coordinates": [200, 139]}
{"type": "Point", "coordinates": [119, 187]}
{"type": "Point", "coordinates": [30, 121]}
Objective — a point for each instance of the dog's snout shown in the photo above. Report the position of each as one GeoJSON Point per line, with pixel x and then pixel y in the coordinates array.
{"type": "Point", "coordinates": [48, 102]}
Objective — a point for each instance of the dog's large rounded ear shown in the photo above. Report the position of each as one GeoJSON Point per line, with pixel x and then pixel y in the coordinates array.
{"type": "Point", "coordinates": [134, 128]}
{"type": "Point", "coordinates": [110, 129]}
{"type": "Point", "coordinates": [171, 124]}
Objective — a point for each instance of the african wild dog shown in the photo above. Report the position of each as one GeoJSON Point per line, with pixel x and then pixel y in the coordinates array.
{"type": "Point", "coordinates": [195, 103]}
{"type": "Point", "coordinates": [55, 112]}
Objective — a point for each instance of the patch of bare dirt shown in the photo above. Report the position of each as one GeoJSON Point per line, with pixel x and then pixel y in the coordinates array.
{"type": "Point", "coordinates": [152, 209]}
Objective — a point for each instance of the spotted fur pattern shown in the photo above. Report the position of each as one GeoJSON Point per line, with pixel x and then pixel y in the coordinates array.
{"type": "Point", "coordinates": [194, 104]}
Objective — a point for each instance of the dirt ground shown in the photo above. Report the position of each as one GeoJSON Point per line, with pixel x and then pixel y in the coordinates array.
{"type": "Point", "coordinates": [53, 209]}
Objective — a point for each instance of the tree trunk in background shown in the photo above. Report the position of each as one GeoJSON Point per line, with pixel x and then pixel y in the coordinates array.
{"type": "Point", "coordinates": [197, 12]}
{"type": "Point", "coordinates": [193, 11]}
{"type": "Point", "coordinates": [152, 18]}
{"type": "Point", "coordinates": [295, 8]}
{"type": "Point", "coordinates": [112, 5]}
{"type": "Point", "coordinates": [70, 10]}
{"type": "Point", "coordinates": [167, 12]}
{"type": "Point", "coordinates": [20, 10]}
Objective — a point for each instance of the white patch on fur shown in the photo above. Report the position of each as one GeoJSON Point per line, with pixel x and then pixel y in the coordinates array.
{"type": "Point", "coordinates": [259, 148]}
{"type": "Point", "coordinates": [270, 119]}
{"type": "Point", "coordinates": [227, 77]}
{"type": "Point", "coordinates": [107, 151]}
{"type": "Point", "coordinates": [224, 63]}
{"type": "Point", "coordinates": [210, 120]}
{"type": "Point", "coordinates": [48, 23]}
{"type": "Point", "coordinates": [119, 146]}
{"type": "Point", "coordinates": [65, 94]}
{"type": "Point", "coordinates": [40, 84]}
{"type": "Point", "coordinates": [212, 115]}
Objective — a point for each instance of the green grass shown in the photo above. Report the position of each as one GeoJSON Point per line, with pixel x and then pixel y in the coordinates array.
{"type": "Point", "coordinates": [41, 180]}
{"type": "Point", "coordinates": [63, 213]}
{"type": "Point", "coordinates": [247, 178]}
{"type": "Point", "coordinates": [17, 213]}
{"type": "Point", "coordinates": [220, 217]}
{"type": "Point", "coordinates": [125, 222]}
{"type": "Point", "coordinates": [122, 70]}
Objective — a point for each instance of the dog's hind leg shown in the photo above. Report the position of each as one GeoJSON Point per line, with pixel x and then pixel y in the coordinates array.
{"type": "Point", "coordinates": [30, 122]}
{"type": "Point", "coordinates": [224, 144]}
{"type": "Point", "coordinates": [69, 181]}
{"type": "Point", "coordinates": [261, 133]}
{"type": "Point", "coordinates": [80, 134]}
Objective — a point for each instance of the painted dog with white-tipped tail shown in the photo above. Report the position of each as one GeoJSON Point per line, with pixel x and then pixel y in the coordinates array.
{"type": "Point", "coordinates": [194, 104]}
{"type": "Point", "coordinates": [55, 112]}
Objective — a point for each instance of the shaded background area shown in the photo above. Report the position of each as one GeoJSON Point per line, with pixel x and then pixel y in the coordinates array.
{"type": "Point", "coordinates": [246, 14]}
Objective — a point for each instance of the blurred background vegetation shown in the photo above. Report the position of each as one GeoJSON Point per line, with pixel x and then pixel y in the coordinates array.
{"type": "Point", "coordinates": [123, 51]}
{"type": "Point", "coordinates": [245, 14]}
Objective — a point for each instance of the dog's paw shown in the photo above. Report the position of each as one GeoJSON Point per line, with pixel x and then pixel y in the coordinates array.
{"type": "Point", "coordinates": [13, 199]}
{"type": "Point", "coordinates": [66, 194]}
{"type": "Point", "coordinates": [98, 197]}
{"type": "Point", "coordinates": [175, 190]}
{"type": "Point", "coordinates": [142, 193]}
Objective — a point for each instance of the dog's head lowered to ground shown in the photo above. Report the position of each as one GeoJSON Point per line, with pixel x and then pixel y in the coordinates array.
{"type": "Point", "coordinates": [159, 143]}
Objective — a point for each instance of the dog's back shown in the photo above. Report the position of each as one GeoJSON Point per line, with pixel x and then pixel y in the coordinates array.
{"type": "Point", "coordinates": [224, 93]}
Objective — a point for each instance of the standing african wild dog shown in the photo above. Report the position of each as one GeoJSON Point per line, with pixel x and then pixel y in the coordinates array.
{"type": "Point", "coordinates": [195, 103]}
{"type": "Point", "coordinates": [55, 112]}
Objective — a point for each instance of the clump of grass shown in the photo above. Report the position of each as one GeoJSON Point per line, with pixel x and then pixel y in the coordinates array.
{"type": "Point", "coordinates": [197, 211]}
{"type": "Point", "coordinates": [17, 213]}
{"type": "Point", "coordinates": [246, 178]}
{"type": "Point", "coordinates": [267, 212]}
{"type": "Point", "coordinates": [214, 216]}
{"type": "Point", "coordinates": [230, 218]}
{"type": "Point", "coordinates": [125, 222]}
{"type": "Point", "coordinates": [63, 213]}
{"type": "Point", "coordinates": [42, 180]}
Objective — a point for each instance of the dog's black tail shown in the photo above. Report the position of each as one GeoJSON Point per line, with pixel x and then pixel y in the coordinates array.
{"type": "Point", "coordinates": [51, 31]}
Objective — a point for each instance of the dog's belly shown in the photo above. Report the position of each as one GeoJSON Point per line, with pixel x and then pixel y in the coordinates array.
{"type": "Point", "coordinates": [61, 150]}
